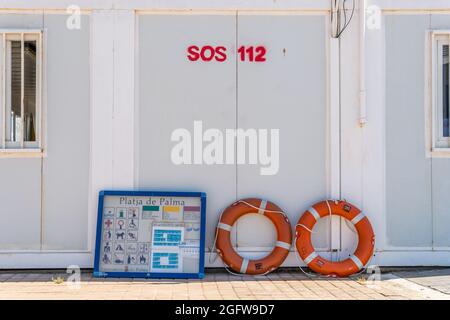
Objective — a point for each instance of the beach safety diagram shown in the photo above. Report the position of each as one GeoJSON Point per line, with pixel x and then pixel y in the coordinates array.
{"type": "Point", "coordinates": [150, 234]}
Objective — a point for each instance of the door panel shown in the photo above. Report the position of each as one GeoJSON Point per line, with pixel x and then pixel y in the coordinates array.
{"type": "Point", "coordinates": [175, 92]}
{"type": "Point", "coordinates": [285, 92]}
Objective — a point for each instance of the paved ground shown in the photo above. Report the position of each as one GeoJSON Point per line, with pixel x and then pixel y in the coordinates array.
{"type": "Point", "coordinates": [281, 285]}
{"type": "Point", "coordinates": [436, 279]}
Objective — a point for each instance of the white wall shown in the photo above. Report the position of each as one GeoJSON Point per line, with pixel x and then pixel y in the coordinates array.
{"type": "Point", "coordinates": [417, 192]}
{"type": "Point", "coordinates": [65, 172]}
{"type": "Point", "coordinates": [20, 184]}
{"type": "Point", "coordinates": [374, 162]}
{"type": "Point", "coordinates": [45, 195]}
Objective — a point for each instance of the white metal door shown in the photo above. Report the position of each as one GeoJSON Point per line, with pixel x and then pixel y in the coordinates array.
{"type": "Point", "coordinates": [273, 75]}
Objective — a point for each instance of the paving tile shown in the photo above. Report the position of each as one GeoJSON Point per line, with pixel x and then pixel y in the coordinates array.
{"type": "Point", "coordinates": [218, 286]}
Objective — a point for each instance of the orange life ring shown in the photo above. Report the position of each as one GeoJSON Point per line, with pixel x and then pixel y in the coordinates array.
{"type": "Point", "coordinates": [259, 266]}
{"type": "Point", "coordinates": [355, 262]}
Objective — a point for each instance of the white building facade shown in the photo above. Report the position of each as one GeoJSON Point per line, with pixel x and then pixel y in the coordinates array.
{"type": "Point", "coordinates": [91, 92]}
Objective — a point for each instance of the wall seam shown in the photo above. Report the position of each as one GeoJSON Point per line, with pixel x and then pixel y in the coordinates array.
{"type": "Point", "coordinates": [41, 245]}
{"type": "Point", "coordinates": [114, 16]}
{"type": "Point", "coordinates": [236, 122]}
{"type": "Point", "coordinates": [431, 172]}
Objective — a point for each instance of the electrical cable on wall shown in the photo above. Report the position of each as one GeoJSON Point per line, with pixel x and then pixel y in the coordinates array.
{"type": "Point", "coordinates": [339, 19]}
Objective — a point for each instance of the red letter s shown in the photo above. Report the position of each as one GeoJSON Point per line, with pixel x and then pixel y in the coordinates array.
{"type": "Point", "coordinates": [221, 55]}
{"type": "Point", "coordinates": [193, 54]}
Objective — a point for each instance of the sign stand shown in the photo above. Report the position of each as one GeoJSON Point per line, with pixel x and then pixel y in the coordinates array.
{"type": "Point", "coordinates": [150, 234]}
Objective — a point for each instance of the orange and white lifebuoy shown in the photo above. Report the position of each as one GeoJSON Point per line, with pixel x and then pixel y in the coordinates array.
{"type": "Point", "coordinates": [355, 262]}
{"type": "Point", "coordinates": [258, 266]}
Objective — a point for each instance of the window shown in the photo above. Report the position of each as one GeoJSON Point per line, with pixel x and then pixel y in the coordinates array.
{"type": "Point", "coordinates": [20, 90]}
{"type": "Point", "coordinates": [441, 109]}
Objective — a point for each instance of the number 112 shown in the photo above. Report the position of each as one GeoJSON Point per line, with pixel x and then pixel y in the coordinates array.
{"type": "Point", "coordinates": [252, 54]}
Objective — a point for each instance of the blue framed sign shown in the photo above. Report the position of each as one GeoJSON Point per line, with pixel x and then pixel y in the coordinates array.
{"type": "Point", "coordinates": [150, 234]}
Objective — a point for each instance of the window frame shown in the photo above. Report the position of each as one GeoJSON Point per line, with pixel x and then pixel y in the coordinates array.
{"type": "Point", "coordinates": [21, 147]}
{"type": "Point", "coordinates": [439, 143]}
